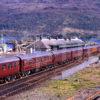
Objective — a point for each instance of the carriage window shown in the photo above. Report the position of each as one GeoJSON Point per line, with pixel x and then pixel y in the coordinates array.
{"type": "Point", "coordinates": [30, 62]}
{"type": "Point", "coordinates": [15, 65]}
{"type": "Point", "coordinates": [34, 60]}
{"type": "Point", "coordinates": [3, 67]}
{"type": "Point", "coordinates": [9, 66]}
{"type": "Point", "coordinates": [46, 58]}
{"type": "Point", "coordinates": [38, 59]}
{"type": "Point", "coordinates": [42, 59]}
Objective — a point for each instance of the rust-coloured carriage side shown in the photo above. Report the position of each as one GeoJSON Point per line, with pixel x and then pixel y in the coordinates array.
{"type": "Point", "coordinates": [9, 67]}
{"type": "Point", "coordinates": [28, 63]}
{"type": "Point", "coordinates": [77, 54]}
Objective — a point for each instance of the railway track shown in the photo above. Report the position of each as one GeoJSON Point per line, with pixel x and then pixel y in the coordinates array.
{"type": "Point", "coordinates": [31, 81]}
{"type": "Point", "coordinates": [95, 96]}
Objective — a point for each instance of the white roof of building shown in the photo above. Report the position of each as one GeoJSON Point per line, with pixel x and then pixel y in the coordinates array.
{"type": "Point", "coordinates": [76, 40]}
{"type": "Point", "coordinates": [68, 41]}
{"type": "Point", "coordinates": [46, 42]}
{"type": "Point", "coordinates": [61, 41]}
{"type": "Point", "coordinates": [53, 42]}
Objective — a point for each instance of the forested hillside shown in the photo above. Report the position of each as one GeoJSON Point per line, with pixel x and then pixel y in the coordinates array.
{"type": "Point", "coordinates": [49, 16]}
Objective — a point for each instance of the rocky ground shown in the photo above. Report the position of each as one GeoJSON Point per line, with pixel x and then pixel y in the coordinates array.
{"type": "Point", "coordinates": [86, 94]}
{"type": "Point", "coordinates": [79, 86]}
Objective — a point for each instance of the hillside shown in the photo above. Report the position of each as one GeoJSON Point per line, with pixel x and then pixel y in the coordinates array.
{"type": "Point", "coordinates": [34, 1]}
{"type": "Point", "coordinates": [50, 16]}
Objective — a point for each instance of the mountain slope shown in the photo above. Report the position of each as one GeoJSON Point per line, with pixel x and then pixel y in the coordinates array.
{"type": "Point", "coordinates": [33, 1]}
{"type": "Point", "coordinates": [49, 16]}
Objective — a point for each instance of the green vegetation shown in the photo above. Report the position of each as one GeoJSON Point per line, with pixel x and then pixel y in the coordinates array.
{"type": "Point", "coordinates": [88, 78]}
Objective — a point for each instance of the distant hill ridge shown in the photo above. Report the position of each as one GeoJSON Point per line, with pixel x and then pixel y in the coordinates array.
{"type": "Point", "coordinates": [33, 1]}
{"type": "Point", "coordinates": [49, 1]}
{"type": "Point", "coordinates": [50, 16]}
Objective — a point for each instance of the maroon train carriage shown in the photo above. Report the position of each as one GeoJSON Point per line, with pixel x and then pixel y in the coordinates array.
{"type": "Point", "coordinates": [57, 57]}
{"type": "Point", "coordinates": [77, 53]}
{"type": "Point", "coordinates": [68, 56]}
{"type": "Point", "coordinates": [94, 50]}
{"type": "Point", "coordinates": [9, 68]}
{"type": "Point", "coordinates": [85, 52]}
{"type": "Point", "coordinates": [90, 50]}
{"type": "Point", "coordinates": [27, 63]}
{"type": "Point", "coordinates": [35, 62]}
{"type": "Point", "coordinates": [45, 59]}
{"type": "Point", "coordinates": [98, 49]}
{"type": "Point", "coordinates": [61, 56]}
{"type": "Point", "coordinates": [13, 67]}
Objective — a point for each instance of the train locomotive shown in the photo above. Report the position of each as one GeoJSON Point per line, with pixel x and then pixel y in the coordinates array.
{"type": "Point", "coordinates": [17, 66]}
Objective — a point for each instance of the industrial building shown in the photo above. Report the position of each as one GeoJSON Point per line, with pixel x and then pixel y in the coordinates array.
{"type": "Point", "coordinates": [46, 44]}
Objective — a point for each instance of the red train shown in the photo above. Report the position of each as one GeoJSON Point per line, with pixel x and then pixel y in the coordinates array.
{"type": "Point", "coordinates": [21, 65]}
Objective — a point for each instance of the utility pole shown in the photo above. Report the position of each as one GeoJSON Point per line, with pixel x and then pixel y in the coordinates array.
{"type": "Point", "coordinates": [34, 45]}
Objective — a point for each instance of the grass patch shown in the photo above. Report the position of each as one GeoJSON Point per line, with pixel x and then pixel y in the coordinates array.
{"type": "Point", "coordinates": [88, 78]}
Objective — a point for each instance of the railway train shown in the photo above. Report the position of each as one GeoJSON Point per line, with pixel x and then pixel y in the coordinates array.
{"type": "Point", "coordinates": [17, 66]}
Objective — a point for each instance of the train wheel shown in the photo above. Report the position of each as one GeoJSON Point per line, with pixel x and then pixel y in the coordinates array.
{"type": "Point", "coordinates": [32, 71]}
{"type": "Point", "coordinates": [9, 78]}
{"type": "Point", "coordinates": [28, 72]}
{"type": "Point", "coordinates": [14, 77]}
{"type": "Point", "coordinates": [37, 70]}
{"type": "Point", "coordinates": [17, 76]}
{"type": "Point", "coordinates": [51, 66]}
{"type": "Point", "coordinates": [23, 74]}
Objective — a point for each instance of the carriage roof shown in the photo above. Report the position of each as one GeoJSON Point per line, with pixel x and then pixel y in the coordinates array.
{"type": "Point", "coordinates": [35, 55]}
{"type": "Point", "coordinates": [8, 59]}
